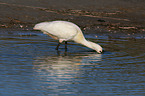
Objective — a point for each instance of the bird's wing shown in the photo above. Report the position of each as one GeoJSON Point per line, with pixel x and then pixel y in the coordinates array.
{"type": "Point", "coordinates": [62, 30]}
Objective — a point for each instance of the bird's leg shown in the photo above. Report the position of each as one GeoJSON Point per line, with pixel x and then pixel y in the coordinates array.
{"type": "Point", "coordinates": [60, 41]}
{"type": "Point", "coordinates": [65, 46]}
{"type": "Point", "coordinates": [57, 47]}
{"type": "Point", "coordinates": [58, 53]}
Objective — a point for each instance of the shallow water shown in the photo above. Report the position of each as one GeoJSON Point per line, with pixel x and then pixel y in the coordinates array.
{"type": "Point", "coordinates": [30, 65]}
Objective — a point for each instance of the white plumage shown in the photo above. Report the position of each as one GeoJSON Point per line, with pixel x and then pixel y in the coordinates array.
{"type": "Point", "coordinates": [64, 31]}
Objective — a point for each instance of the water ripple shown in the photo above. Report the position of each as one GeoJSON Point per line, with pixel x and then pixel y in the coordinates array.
{"type": "Point", "coordinates": [30, 65]}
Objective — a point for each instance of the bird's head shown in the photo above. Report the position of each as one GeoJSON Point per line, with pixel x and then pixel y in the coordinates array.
{"type": "Point", "coordinates": [96, 47]}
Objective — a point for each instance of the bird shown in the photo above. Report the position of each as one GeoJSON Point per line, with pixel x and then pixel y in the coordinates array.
{"type": "Point", "coordinates": [66, 31]}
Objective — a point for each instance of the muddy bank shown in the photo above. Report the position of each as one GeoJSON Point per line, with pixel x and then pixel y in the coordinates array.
{"type": "Point", "coordinates": [109, 15]}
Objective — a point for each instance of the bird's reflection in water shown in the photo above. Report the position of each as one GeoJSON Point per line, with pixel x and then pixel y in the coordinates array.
{"type": "Point", "coordinates": [59, 71]}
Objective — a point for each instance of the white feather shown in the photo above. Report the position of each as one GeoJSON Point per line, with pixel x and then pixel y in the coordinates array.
{"type": "Point", "coordinates": [64, 31]}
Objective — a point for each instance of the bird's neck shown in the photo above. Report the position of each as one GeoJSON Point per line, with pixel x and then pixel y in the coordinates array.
{"type": "Point", "coordinates": [88, 44]}
{"type": "Point", "coordinates": [92, 45]}
{"type": "Point", "coordinates": [79, 38]}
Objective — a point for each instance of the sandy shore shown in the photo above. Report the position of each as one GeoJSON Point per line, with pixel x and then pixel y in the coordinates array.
{"type": "Point", "coordinates": [108, 14]}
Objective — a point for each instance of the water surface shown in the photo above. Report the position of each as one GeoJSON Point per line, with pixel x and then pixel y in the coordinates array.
{"type": "Point", "coordinates": [30, 65]}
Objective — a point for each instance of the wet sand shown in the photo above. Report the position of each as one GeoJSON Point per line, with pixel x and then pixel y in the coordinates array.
{"type": "Point", "coordinates": [108, 15]}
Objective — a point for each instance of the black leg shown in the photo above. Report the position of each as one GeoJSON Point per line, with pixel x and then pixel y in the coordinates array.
{"type": "Point", "coordinates": [58, 53]}
{"type": "Point", "coordinates": [65, 46]}
{"type": "Point", "coordinates": [57, 47]}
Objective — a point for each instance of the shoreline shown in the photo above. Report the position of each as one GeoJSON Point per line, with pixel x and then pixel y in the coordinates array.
{"type": "Point", "coordinates": [16, 15]}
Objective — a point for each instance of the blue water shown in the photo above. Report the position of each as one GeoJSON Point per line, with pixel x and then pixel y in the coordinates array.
{"type": "Point", "coordinates": [30, 65]}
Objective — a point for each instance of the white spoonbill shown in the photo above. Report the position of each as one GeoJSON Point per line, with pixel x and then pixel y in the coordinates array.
{"type": "Point", "coordinates": [64, 31]}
